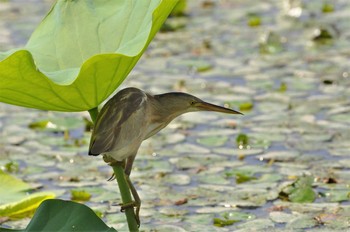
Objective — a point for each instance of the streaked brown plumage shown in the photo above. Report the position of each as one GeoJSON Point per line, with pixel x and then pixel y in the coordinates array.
{"type": "Point", "coordinates": [132, 116]}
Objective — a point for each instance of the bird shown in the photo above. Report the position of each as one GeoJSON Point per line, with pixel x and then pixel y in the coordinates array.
{"type": "Point", "coordinates": [132, 116]}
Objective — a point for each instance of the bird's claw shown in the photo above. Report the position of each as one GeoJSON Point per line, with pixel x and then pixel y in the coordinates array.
{"type": "Point", "coordinates": [124, 206]}
{"type": "Point", "coordinates": [111, 178]}
{"type": "Point", "coordinates": [133, 204]}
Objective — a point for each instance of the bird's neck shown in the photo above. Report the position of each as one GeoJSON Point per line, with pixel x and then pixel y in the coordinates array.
{"type": "Point", "coordinates": [164, 111]}
{"type": "Point", "coordinates": [160, 116]}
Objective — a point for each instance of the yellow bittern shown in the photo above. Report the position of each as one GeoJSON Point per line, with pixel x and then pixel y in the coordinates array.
{"type": "Point", "coordinates": [132, 116]}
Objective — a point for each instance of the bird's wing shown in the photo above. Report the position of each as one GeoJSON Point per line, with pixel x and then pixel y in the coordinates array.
{"type": "Point", "coordinates": [119, 111]}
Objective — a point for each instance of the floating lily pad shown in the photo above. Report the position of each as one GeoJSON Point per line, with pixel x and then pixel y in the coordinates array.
{"type": "Point", "coordinates": [338, 195]}
{"type": "Point", "coordinates": [281, 156]}
{"type": "Point", "coordinates": [198, 65]}
{"type": "Point", "coordinates": [254, 20]}
{"type": "Point", "coordinates": [213, 179]}
{"type": "Point", "coordinates": [300, 191]}
{"type": "Point", "coordinates": [281, 217]}
{"type": "Point", "coordinates": [334, 221]}
{"type": "Point", "coordinates": [26, 206]}
{"type": "Point", "coordinates": [229, 218]}
{"type": "Point", "coordinates": [242, 141]}
{"type": "Point", "coordinates": [241, 175]}
{"type": "Point", "coordinates": [15, 202]}
{"type": "Point", "coordinates": [238, 152]}
{"type": "Point", "coordinates": [14, 188]}
{"type": "Point", "coordinates": [80, 195]}
{"type": "Point", "coordinates": [257, 224]}
{"type": "Point", "coordinates": [199, 219]}
{"type": "Point", "coordinates": [173, 212]}
{"type": "Point", "coordinates": [58, 124]}
{"type": "Point", "coordinates": [190, 148]}
{"type": "Point", "coordinates": [177, 179]}
{"type": "Point", "coordinates": [271, 43]}
{"type": "Point", "coordinates": [302, 222]}
{"type": "Point", "coordinates": [213, 141]}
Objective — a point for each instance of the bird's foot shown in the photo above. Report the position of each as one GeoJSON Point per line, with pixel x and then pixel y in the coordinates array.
{"type": "Point", "coordinates": [109, 160]}
{"type": "Point", "coordinates": [124, 206]}
{"type": "Point", "coordinates": [133, 204]}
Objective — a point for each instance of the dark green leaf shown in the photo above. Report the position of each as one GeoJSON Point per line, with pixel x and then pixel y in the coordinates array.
{"type": "Point", "coordinates": [242, 141]}
{"type": "Point", "coordinates": [59, 215]}
{"type": "Point", "coordinates": [300, 191]}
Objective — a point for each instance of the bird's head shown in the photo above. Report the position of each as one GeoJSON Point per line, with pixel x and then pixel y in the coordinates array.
{"type": "Point", "coordinates": [177, 103]}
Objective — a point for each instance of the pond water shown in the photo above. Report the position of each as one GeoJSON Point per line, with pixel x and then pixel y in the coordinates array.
{"type": "Point", "coordinates": [284, 64]}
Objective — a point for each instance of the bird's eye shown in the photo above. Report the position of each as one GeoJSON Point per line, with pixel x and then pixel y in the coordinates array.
{"type": "Point", "coordinates": [192, 103]}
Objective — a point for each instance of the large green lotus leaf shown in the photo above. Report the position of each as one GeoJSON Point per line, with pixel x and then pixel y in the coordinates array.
{"type": "Point", "coordinates": [59, 215]}
{"type": "Point", "coordinates": [80, 53]}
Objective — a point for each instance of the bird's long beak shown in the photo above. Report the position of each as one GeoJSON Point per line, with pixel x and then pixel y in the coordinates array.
{"type": "Point", "coordinates": [205, 106]}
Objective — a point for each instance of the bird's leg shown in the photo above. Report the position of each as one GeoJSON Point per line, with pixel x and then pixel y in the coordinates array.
{"type": "Point", "coordinates": [125, 193]}
{"type": "Point", "coordinates": [127, 166]}
{"type": "Point", "coordinates": [137, 200]}
{"type": "Point", "coordinates": [112, 162]}
{"type": "Point", "coordinates": [132, 188]}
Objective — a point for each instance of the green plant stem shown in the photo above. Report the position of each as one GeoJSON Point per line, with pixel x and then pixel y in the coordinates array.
{"type": "Point", "coordinates": [93, 114]}
{"type": "Point", "coordinates": [123, 185]}
{"type": "Point", "coordinates": [126, 196]}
